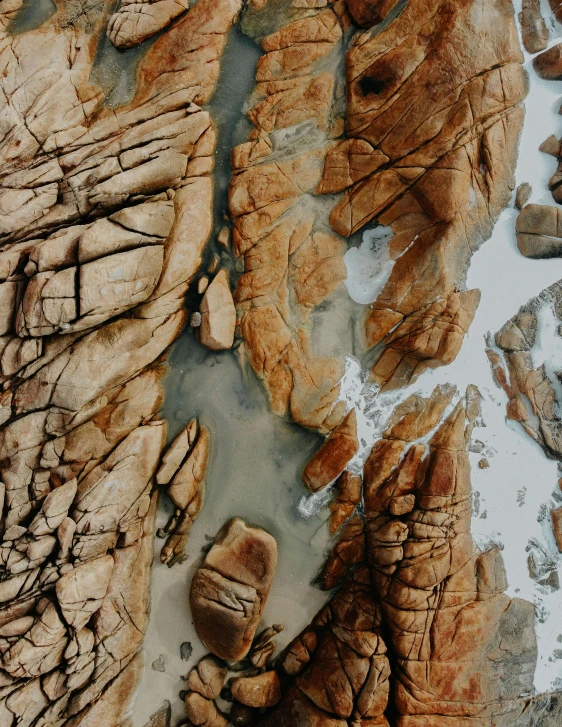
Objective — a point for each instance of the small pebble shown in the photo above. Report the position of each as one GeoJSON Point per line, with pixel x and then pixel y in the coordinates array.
{"type": "Point", "coordinates": [186, 650]}
{"type": "Point", "coordinates": [523, 194]}
{"type": "Point", "coordinates": [159, 664]}
{"type": "Point", "coordinates": [223, 237]}
{"type": "Point", "coordinates": [195, 320]}
{"type": "Point", "coordinates": [483, 464]}
{"type": "Point", "coordinates": [214, 263]}
{"type": "Point", "coordinates": [160, 533]}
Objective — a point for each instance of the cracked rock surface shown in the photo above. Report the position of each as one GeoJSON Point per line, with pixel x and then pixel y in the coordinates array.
{"type": "Point", "coordinates": [229, 591]}
{"type": "Point", "coordinates": [418, 603]}
{"type": "Point", "coordinates": [104, 214]}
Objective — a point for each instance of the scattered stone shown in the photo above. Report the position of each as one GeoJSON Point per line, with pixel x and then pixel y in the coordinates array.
{"type": "Point", "coordinates": [539, 231]}
{"type": "Point", "coordinates": [522, 195]}
{"type": "Point", "coordinates": [162, 717]}
{"type": "Point", "coordinates": [548, 65]}
{"type": "Point", "coordinates": [262, 690]}
{"type": "Point", "coordinates": [208, 677]}
{"type": "Point", "coordinates": [195, 319]}
{"type": "Point", "coordinates": [159, 664]}
{"type": "Point", "coordinates": [551, 146]}
{"type": "Point", "coordinates": [242, 716]}
{"type": "Point", "coordinates": [483, 463]}
{"type": "Point", "coordinates": [556, 516]}
{"type": "Point", "coordinates": [263, 646]}
{"type": "Point", "coordinates": [333, 456]}
{"type": "Point", "coordinates": [186, 650]}
{"type": "Point", "coordinates": [223, 238]}
{"type": "Point", "coordinates": [533, 28]}
{"type": "Point", "coordinates": [213, 265]}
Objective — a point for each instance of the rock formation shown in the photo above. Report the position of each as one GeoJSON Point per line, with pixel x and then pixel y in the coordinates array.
{"type": "Point", "coordinates": [437, 168]}
{"type": "Point", "coordinates": [103, 220]}
{"type": "Point", "coordinates": [229, 591]}
{"type": "Point", "coordinates": [411, 123]}
{"type": "Point", "coordinates": [292, 261]}
{"type": "Point", "coordinates": [460, 651]}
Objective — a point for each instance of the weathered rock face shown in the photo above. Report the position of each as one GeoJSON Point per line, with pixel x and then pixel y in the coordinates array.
{"type": "Point", "coordinates": [534, 32]}
{"type": "Point", "coordinates": [229, 591]}
{"type": "Point", "coordinates": [460, 650]}
{"type": "Point", "coordinates": [104, 214]}
{"type": "Point", "coordinates": [539, 231]}
{"type": "Point", "coordinates": [531, 392]}
{"type": "Point", "coordinates": [137, 20]}
{"type": "Point", "coordinates": [436, 157]}
{"type": "Point", "coordinates": [292, 261]}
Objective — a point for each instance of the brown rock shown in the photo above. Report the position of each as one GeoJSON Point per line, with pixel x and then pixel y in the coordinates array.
{"type": "Point", "coordinates": [548, 65]}
{"type": "Point", "coordinates": [183, 470]}
{"type": "Point", "coordinates": [229, 591]}
{"type": "Point", "coordinates": [348, 496]}
{"type": "Point", "coordinates": [556, 516]}
{"type": "Point", "coordinates": [523, 194]}
{"type": "Point", "coordinates": [533, 28]}
{"type": "Point", "coordinates": [218, 315]}
{"type": "Point", "coordinates": [137, 20]}
{"type": "Point", "coordinates": [263, 646]}
{"type": "Point", "coordinates": [262, 690]}
{"type": "Point", "coordinates": [291, 264]}
{"type": "Point", "coordinates": [556, 7]}
{"type": "Point", "coordinates": [539, 231]}
{"type": "Point", "coordinates": [367, 13]}
{"type": "Point", "coordinates": [208, 677]}
{"type": "Point", "coordinates": [423, 192]}
{"type": "Point", "coordinates": [333, 456]}
{"type": "Point", "coordinates": [103, 220]}
{"type": "Point", "coordinates": [203, 712]}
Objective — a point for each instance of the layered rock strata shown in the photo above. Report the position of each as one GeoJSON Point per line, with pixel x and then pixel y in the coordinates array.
{"type": "Point", "coordinates": [104, 214]}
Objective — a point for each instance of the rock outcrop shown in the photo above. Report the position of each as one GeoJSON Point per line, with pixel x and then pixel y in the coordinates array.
{"type": "Point", "coordinates": [137, 20]}
{"type": "Point", "coordinates": [460, 651]}
{"type": "Point", "coordinates": [440, 165]}
{"type": "Point", "coordinates": [292, 261]}
{"type": "Point", "coordinates": [229, 591]}
{"type": "Point", "coordinates": [103, 220]}
{"type": "Point", "coordinates": [531, 391]}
